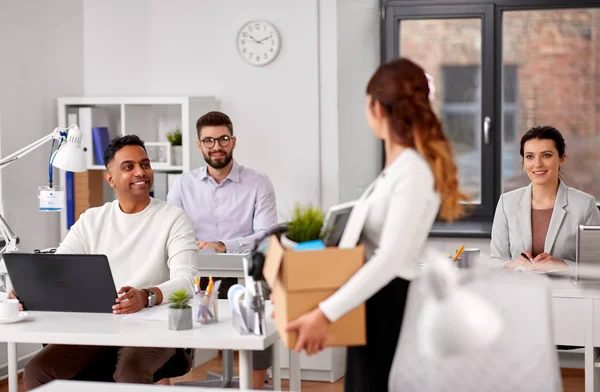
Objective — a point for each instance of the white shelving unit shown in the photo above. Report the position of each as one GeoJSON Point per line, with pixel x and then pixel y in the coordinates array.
{"type": "Point", "coordinates": [151, 118]}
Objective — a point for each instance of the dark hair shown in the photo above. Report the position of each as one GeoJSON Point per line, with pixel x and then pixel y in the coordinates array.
{"type": "Point", "coordinates": [214, 119]}
{"type": "Point", "coordinates": [402, 88]}
{"type": "Point", "coordinates": [118, 143]}
{"type": "Point", "coordinates": [545, 132]}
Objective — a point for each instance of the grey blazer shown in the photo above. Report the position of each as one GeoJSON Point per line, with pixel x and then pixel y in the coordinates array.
{"type": "Point", "coordinates": [511, 231]}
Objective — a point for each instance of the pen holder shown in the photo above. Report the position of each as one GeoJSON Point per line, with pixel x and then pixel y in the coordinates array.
{"type": "Point", "coordinates": [205, 307]}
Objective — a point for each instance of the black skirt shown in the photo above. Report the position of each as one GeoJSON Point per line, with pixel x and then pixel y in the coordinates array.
{"type": "Point", "coordinates": [368, 367]}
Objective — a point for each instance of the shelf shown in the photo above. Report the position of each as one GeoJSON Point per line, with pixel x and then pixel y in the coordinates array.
{"type": "Point", "coordinates": [156, 169]}
{"type": "Point", "coordinates": [166, 169]}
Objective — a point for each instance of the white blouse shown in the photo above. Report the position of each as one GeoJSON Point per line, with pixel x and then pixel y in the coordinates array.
{"type": "Point", "coordinates": [401, 207]}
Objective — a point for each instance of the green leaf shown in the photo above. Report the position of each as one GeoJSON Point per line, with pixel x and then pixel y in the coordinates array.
{"type": "Point", "coordinates": [179, 299]}
{"type": "Point", "coordinates": [174, 137]}
{"type": "Point", "coordinates": [306, 224]}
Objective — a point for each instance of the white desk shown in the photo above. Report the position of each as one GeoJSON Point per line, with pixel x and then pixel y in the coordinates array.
{"type": "Point", "coordinates": [231, 265]}
{"type": "Point", "coordinates": [576, 320]}
{"type": "Point", "coordinates": [78, 386]}
{"type": "Point", "coordinates": [224, 265]}
{"type": "Point", "coordinates": [124, 330]}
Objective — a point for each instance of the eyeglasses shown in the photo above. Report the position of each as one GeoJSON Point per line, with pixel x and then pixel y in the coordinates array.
{"type": "Point", "coordinates": [209, 142]}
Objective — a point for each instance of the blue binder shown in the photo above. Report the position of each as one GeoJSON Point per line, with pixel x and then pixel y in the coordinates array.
{"type": "Point", "coordinates": [100, 139]}
{"type": "Point", "coordinates": [69, 191]}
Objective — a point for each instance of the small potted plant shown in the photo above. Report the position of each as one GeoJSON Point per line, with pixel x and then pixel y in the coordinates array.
{"type": "Point", "coordinates": [180, 312]}
{"type": "Point", "coordinates": [175, 140]}
{"type": "Point", "coordinates": [306, 225]}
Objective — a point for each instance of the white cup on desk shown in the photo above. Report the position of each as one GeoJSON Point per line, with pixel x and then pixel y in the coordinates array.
{"type": "Point", "coordinates": [9, 308]}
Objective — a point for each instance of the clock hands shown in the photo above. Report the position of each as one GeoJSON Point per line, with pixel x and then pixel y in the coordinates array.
{"type": "Point", "coordinates": [264, 39]}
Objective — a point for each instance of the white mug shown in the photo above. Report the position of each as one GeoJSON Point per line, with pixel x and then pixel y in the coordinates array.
{"type": "Point", "coordinates": [9, 308]}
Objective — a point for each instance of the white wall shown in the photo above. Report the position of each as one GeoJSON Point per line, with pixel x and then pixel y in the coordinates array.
{"type": "Point", "coordinates": [42, 58]}
{"type": "Point", "coordinates": [187, 47]}
{"type": "Point", "coordinates": [360, 153]}
{"type": "Point", "coordinates": [286, 115]}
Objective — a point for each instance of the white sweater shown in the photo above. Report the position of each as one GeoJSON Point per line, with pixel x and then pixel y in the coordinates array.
{"type": "Point", "coordinates": [402, 205]}
{"type": "Point", "coordinates": [155, 247]}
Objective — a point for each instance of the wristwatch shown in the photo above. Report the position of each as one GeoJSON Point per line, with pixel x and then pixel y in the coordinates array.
{"type": "Point", "coordinates": [151, 298]}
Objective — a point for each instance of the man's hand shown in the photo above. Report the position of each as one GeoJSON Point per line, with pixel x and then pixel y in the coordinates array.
{"type": "Point", "coordinates": [12, 295]}
{"type": "Point", "coordinates": [218, 247]}
{"type": "Point", "coordinates": [132, 300]}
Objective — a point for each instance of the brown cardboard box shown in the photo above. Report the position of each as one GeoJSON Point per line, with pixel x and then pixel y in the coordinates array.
{"type": "Point", "coordinates": [300, 280]}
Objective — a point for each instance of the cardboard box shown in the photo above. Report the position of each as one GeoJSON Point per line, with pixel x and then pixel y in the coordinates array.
{"type": "Point", "coordinates": [300, 280]}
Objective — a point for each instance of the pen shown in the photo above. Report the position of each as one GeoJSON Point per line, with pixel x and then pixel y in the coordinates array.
{"type": "Point", "coordinates": [527, 257]}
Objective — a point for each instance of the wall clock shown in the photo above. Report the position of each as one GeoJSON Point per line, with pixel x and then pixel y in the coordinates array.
{"type": "Point", "coordinates": [258, 42]}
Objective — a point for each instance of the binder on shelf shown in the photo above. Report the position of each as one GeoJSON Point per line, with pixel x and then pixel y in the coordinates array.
{"type": "Point", "coordinates": [100, 140]}
{"type": "Point", "coordinates": [70, 182]}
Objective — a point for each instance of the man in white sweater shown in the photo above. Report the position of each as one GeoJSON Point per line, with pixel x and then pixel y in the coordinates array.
{"type": "Point", "coordinates": [151, 248]}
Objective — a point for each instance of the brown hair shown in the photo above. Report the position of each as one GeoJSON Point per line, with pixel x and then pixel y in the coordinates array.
{"type": "Point", "coordinates": [214, 119]}
{"type": "Point", "coordinates": [402, 88]}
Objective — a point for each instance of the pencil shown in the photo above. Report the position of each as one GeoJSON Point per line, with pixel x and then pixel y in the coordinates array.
{"type": "Point", "coordinates": [458, 253]}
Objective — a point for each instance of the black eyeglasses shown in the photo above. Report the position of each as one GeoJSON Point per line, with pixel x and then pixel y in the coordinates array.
{"type": "Point", "coordinates": [209, 142]}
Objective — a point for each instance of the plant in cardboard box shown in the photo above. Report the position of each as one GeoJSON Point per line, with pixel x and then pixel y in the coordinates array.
{"type": "Point", "coordinates": [306, 225]}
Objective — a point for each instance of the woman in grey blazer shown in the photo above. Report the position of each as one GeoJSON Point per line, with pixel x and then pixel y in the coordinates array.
{"type": "Point", "coordinates": [535, 226]}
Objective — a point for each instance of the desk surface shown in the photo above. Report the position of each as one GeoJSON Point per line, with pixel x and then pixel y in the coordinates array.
{"type": "Point", "coordinates": [105, 329]}
{"type": "Point", "coordinates": [77, 386]}
{"type": "Point", "coordinates": [562, 286]}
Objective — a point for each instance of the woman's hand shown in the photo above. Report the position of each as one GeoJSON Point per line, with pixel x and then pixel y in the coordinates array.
{"type": "Point", "coordinates": [12, 295]}
{"type": "Point", "coordinates": [520, 261]}
{"type": "Point", "coordinates": [311, 329]}
{"type": "Point", "coordinates": [545, 262]}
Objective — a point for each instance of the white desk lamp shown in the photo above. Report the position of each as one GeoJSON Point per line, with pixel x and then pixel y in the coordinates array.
{"type": "Point", "coordinates": [68, 156]}
{"type": "Point", "coordinates": [454, 320]}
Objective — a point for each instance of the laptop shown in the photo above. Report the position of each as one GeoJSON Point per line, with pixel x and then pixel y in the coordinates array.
{"type": "Point", "coordinates": [62, 282]}
{"type": "Point", "coordinates": [587, 254]}
{"type": "Point", "coordinates": [335, 222]}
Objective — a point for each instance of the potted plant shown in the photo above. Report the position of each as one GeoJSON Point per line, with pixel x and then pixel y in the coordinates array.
{"type": "Point", "coordinates": [180, 312]}
{"type": "Point", "coordinates": [175, 140]}
{"type": "Point", "coordinates": [306, 225]}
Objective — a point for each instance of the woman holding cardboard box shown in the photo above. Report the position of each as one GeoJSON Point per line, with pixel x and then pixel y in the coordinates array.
{"type": "Point", "coordinates": [392, 219]}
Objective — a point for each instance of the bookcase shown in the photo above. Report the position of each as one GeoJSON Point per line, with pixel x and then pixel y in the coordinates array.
{"type": "Point", "coordinates": [151, 118]}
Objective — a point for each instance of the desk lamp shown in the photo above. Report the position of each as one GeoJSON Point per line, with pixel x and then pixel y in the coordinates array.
{"type": "Point", "coordinates": [68, 156]}
{"type": "Point", "coordinates": [454, 320]}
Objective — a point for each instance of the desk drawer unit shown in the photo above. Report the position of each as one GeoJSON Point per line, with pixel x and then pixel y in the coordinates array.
{"type": "Point", "coordinates": [568, 315]}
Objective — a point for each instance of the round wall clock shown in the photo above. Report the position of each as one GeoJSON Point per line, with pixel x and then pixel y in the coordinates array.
{"type": "Point", "coordinates": [258, 42]}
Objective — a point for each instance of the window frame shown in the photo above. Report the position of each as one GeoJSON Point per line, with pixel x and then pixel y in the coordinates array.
{"type": "Point", "coordinates": [479, 222]}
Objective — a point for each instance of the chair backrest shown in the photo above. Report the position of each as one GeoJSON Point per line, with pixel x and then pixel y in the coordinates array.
{"type": "Point", "coordinates": [524, 358]}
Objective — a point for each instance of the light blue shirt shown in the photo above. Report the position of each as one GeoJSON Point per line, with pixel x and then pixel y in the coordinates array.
{"type": "Point", "coordinates": [237, 212]}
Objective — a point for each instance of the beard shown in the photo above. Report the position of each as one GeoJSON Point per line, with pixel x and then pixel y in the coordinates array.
{"type": "Point", "coordinates": [218, 163]}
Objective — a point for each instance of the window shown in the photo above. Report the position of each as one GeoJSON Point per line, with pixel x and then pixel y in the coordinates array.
{"type": "Point", "coordinates": [559, 74]}
{"type": "Point", "coordinates": [500, 68]}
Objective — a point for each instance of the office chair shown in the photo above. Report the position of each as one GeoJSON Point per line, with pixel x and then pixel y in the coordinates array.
{"type": "Point", "coordinates": [523, 358]}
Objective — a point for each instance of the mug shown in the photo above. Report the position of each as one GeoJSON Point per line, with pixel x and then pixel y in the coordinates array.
{"type": "Point", "coordinates": [9, 308]}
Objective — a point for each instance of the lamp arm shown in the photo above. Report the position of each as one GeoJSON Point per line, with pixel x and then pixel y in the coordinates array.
{"type": "Point", "coordinates": [9, 237]}
{"type": "Point", "coordinates": [57, 134]}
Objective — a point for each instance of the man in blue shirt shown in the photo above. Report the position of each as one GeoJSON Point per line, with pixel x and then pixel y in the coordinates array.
{"type": "Point", "coordinates": [231, 207]}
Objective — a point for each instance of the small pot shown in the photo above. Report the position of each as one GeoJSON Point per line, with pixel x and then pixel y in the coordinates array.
{"type": "Point", "coordinates": [287, 243]}
{"type": "Point", "coordinates": [177, 152]}
{"type": "Point", "coordinates": [180, 319]}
